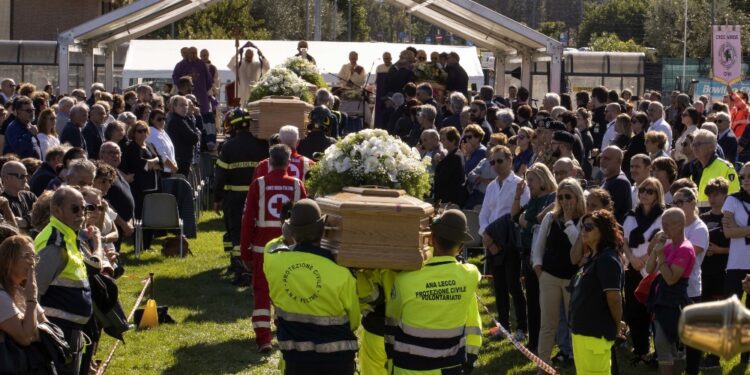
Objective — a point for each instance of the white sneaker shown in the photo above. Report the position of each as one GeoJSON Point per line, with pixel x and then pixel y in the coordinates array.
{"type": "Point", "coordinates": [520, 336]}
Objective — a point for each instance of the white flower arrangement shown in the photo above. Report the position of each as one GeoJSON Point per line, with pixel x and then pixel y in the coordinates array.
{"type": "Point", "coordinates": [371, 157]}
{"type": "Point", "coordinates": [280, 81]}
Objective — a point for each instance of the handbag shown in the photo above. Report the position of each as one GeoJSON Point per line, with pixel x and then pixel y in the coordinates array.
{"type": "Point", "coordinates": [643, 289]}
{"type": "Point", "coordinates": [12, 356]}
{"type": "Point", "coordinates": [47, 356]}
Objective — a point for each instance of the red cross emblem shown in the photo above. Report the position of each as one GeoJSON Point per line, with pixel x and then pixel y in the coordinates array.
{"type": "Point", "coordinates": [276, 204]}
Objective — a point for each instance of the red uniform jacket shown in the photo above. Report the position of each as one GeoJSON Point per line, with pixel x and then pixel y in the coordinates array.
{"type": "Point", "coordinates": [298, 167]}
{"type": "Point", "coordinates": [261, 221]}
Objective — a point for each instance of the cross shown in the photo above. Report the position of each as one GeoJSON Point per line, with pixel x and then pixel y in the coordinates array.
{"type": "Point", "coordinates": [276, 204]}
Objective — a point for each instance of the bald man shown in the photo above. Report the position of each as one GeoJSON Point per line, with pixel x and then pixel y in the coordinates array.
{"type": "Point", "coordinates": [615, 182]}
{"type": "Point", "coordinates": [14, 178]}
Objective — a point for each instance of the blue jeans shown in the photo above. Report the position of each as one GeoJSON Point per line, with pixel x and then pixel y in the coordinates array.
{"type": "Point", "coordinates": [563, 338]}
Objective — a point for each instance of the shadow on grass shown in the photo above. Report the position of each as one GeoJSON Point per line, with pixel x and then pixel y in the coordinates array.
{"type": "Point", "coordinates": [739, 369]}
{"type": "Point", "coordinates": [207, 294]}
{"type": "Point", "coordinates": [216, 223]}
{"type": "Point", "coordinates": [221, 358]}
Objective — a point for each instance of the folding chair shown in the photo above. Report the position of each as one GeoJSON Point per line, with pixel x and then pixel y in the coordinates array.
{"type": "Point", "coordinates": [472, 225]}
{"type": "Point", "coordinates": [160, 212]}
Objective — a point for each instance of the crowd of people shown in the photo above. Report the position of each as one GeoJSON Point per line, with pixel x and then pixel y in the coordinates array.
{"type": "Point", "coordinates": [602, 214]}
{"type": "Point", "coordinates": [670, 179]}
{"type": "Point", "coordinates": [75, 170]}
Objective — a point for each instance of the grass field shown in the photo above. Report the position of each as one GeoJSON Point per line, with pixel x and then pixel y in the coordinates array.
{"type": "Point", "coordinates": [213, 334]}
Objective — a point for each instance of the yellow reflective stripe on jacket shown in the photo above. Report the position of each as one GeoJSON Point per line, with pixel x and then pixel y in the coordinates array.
{"type": "Point", "coordinates": [57, 313]}
{"type": "Point", "coordinates": [244, 188]}
{"type": "Point", "coordinates": [309, 346]}
{"type": "Point", "coordinates": [429, 352]}
{"type": "Point", "coordinates": [236, 165]}
{"type": "Point", "coordinates": [312, 319]}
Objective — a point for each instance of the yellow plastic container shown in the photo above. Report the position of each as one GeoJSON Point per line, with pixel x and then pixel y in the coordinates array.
{"type": "Point", "coordinates": [150, 318]}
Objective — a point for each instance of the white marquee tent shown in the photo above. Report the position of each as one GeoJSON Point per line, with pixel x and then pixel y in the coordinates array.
{"type": "Point", "coordinates": [465, 18]}
{"type": "Point", "coordinates": [155, 59]}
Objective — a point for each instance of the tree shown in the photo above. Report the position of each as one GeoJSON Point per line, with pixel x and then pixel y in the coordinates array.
{"type": "Point", "coordinates": [219, 21]}
{"type": "Point", "coordinates": [611, 43]}
{"type": "Point", "coordinates": [625, 18]}
{"type": "Point", "coordinates": [665, 20]}
{"type": "Point", "coordinates": [553, 29]}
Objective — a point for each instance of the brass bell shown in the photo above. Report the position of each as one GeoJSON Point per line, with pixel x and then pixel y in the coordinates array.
{"type": "Point", "coordinates": [721, 328]}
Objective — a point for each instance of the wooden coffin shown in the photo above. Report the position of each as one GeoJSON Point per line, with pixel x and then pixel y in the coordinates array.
{"type": "Point", "coordinates": [273, 112]}
{"type": "Point", "coordinates": [377, 228]}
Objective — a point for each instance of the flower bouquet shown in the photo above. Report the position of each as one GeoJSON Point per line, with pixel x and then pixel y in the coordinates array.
{"type": "Point", "coordinates": [282, 82]}
{"type": "Point", "coordinates": [305, 70]}
{"type": "Point", "coordinates": [430, 72]}
{"type": "Point", "coordinates": [370, 157]}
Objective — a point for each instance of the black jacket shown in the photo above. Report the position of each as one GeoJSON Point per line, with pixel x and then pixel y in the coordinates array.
{"type": "Point", "coordinates": [93, 139]}
{"type": "Point", "coordinates": [637, 146]}
{"type": "Point", "coordinates": [73, 136]}
{"type": "Point", "coordinates": [728, 144]}
{"type": "Point", "coordinates": [184, 137]}
{"type": "Point", "coordinates": [457, 80]}
{"type": "Point", "coordinates": [237, 161]}
{"type": "Point", "coordinates": [397, 78]}
{"type": "Point", "coordinates": [450, 180]}
{"type": "Point", "coordinates": [41, 178]}
{"type": "Point", "coordinates": [315, 142]}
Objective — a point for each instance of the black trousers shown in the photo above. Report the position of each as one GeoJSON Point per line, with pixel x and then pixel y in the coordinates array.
{"type": "Point", "coordinates": [75, 341]}
{"type": "Point", "coordinates": [317, 368]}
{"type": "Point", "coordinates": [636, 314]}
{"type": "Point", "coordinates": [233, 207]}
{"type": "Point", "coordinates": [533, 311]}
{"type": "Point", "coordinates": [507, 280]}
{"type": "Point", "coordinates": [733, 285]}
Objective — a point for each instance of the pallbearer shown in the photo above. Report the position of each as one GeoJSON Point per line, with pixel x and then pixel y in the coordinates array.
{"type": "Point", "coordinates": [315, 299]}
{"type": "Point", "coordinates": [432, 320]}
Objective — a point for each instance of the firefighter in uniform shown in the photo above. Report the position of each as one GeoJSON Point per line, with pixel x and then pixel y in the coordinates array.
{"type": "Point", "coordinates": [237, 161]}
{"type": "Point", "coordinates": [298, 165]}
{"type": "Point", "coordinates": [432, 318]}
{"type": "Point", "coordinates": [261, 223]}
{"type": "Point", "coordinates": [315, 300]}
{"type": "Point", "coordinates": [317, 141]}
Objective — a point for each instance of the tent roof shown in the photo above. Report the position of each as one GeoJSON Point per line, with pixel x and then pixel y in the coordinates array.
{"type": "Point", "coordinates": [132, 21]}
{"type": "Point", "coordinates": [466, 18]}
{"type": "Point", "coordinates": [151, 59]}
{"type": "Point", "coordinates": [483, 26]}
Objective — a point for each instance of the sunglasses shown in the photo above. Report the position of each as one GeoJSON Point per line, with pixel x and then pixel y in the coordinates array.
{"type": "Point", "coordinates": [497, 161]}
{"type": "Point", "coordinates": [564, 197]}
{"type": "Point", "coordinates": [141, 130]}
{"type": "Point", "coordinates": [522, 137]}
{"type": "Point", "coordinates": [160, 119]}
{"type": "Point", "coordinates": [680, 202]}
{"type": "Point", "coordinates": [588, 227]}
{"type": "Point", "coordinates": [75, 209]}
{"type": "Point", "coordinates": [649, 191]}
{"type": "Point", "coordinates": [743, 177]}
{"type": "Point", "coordinates": [469, 136]}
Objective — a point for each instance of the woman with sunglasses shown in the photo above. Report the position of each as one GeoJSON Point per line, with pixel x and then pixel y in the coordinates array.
{"type": "Point", "coordinates": [596, 300]}
{"type": "Point", "coordinates": [524, 151]}
{"type": "Point", "coordinates": [685, 166]}
{"type": "Point", "coordinates": [472, 148]}
{"type": "Point", "coordinates": [690, 119]}
{"type": "Point", "coordinates": [161, 141]}
{"type": "Point", "coordinates": [542, 187]}
{"type": "Point", "coordinates": [672, 255]}
{"type": "Point", "coordinates": [550, 257]}
{"type": "Point", "coordinates": [47, 135]}
{"type": "Point", "coordinates": [639, 227]}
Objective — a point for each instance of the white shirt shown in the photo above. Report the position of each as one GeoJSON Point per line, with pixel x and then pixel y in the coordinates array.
{"type": "Point", "coordinates": [697, 234]}
{"type": "Point", "coordinates": [498, 202]}
{"type": "Point", "coordinates": [664, 127]}
{"type": "Point", "coordinates": [634, 196]}
{"type": "Point", "coordinates": [46, 142]}
{"type": "Point", "coordinates": [163, 145]}
{"type": "Point", "coordinates": [739, 252]}
{"type": "Point", "coordinates": [609, 136]}
{"type": "Point", "coordinates": [629, 225]}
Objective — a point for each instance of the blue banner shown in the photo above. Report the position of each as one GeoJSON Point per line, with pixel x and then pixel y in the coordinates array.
{"type": "Point", "coordinates": [716, 90]}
